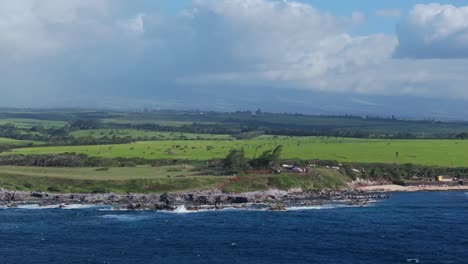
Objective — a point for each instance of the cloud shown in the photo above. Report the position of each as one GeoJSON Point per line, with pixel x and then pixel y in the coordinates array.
{"type": "Point", "coordinates": [392, 12]}
{"type": "Point", "coordinates": [434, 31]}
{"type": "Point", "coordinates": [32, 28]}
{"type": "Point", "coordinates": [113, 48]}
{"type": "Point", "coordinates": [291, 42]}
{"type": "Point", "coordinates": [135, 25]}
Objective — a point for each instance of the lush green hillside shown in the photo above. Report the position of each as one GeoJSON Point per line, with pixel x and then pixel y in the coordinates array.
{"type": "Point", "coordinates": [115, 173]}
{"type": "Point", "coordinates": [28, 123]}
{"type": "Point", "coordinates": [153, 121]}
{"type": "Point", "coordinates": [142, 134]}
{"type": "Point", "coordinates": [296, 124]}
{"type": "Point", "coordinates": [95, 180]}
{"type": "Point", "coordinates": [56, 124]}
{"type": "Point", "coordinates": [147, 179]}
{"type": "Point", "coordinates": [449, 153]}
{"type": "Point", "coordinates": [17, 143]}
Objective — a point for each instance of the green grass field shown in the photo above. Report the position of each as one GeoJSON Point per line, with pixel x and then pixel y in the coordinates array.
{"type": "Point", "coordinates": [446, 153]}
{"type": "Point", "coordinates": [72, 185]}
{"type": "Point", "coordinates": [28, 123]}
{"type": "Point", "coordinates": [156, 135]}
{"type": "Point", "coordinates": [17, 143]}
{"type": "Point", "coordinates": [146, 179]}
{"type": "Point", "coordinates": [114, 173]}
{"type": "Point", "coordinates": [143, 179]}
{"type": "Point", "coordinates": [150, 120]}
{"type": "Point", "coordinates": [179, 118]}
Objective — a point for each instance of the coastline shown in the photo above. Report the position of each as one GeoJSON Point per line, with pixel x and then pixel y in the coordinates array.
{"type": "Point", "coordinates": [272, 199]}
{"type": "Point", "coordinates": [384, 188]}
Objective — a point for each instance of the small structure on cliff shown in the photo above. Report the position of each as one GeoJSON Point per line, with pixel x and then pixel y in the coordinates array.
{"type": "Point", "coordinates": [443, 178]}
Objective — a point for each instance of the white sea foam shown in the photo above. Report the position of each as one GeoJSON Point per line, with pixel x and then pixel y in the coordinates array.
{"type": "Point", "coordinates": [58, 206]}
{"type": "Point", "coordinates": [315, 207]}
{"type": "Point", "coordinates": [113, 209]}
{"type": "Point", "coordinates": [125, 217]}
{"type": "Point", "coordinates": [37, 206]}
{"type": "Point", "coordinates": [81, 206]}
{"type": "Point", "coordinates": [181, 209]}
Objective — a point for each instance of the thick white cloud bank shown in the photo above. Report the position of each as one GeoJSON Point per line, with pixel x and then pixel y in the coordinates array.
{"type": "Point", "coordinates": [290, 44]}
{"type": "Point", "coordinates": [76, 47]}
{"type": "Point", "coordinates": [434, 31]}
{"type": "Point", "coordinates": [30, 28]}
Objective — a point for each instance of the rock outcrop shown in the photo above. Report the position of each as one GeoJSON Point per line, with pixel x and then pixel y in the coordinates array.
{"type": "Point", "coordinates": [195, 200]}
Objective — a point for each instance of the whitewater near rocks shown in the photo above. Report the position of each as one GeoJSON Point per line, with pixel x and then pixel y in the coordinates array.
{"type": "Point", "coordinates": [190, 201]}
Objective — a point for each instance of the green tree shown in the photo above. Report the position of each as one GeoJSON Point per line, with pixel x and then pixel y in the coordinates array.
{"type": "Point", "coordinates": [235, 161]}
{"type": "Point", "coordinates": [268, 159]}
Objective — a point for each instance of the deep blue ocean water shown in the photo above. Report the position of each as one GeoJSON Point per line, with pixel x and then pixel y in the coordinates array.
{"type": "Point", "coordinates": [425, 227]}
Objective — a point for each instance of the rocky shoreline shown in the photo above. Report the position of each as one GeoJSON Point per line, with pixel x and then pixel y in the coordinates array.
{"type": "Point", "coordinates": [194, 200]}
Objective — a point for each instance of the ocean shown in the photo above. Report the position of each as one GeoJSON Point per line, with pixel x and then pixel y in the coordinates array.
{"type": "Point", "coordinates": [423, 227]}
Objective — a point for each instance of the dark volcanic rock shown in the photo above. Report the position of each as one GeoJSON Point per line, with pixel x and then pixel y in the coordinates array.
{"type": "Point", "coordinates": [278, 207]}
{"type": "Point", "coordinates": [134, 206]}
{"type": "Point", "coordinates": [238, 199]}
{"type": "Point", "coordinates": [211, 199]}
{"type": "Point", "coordinates": [169, 198]}
{"type": "Point", "coordinates": [37, 195]}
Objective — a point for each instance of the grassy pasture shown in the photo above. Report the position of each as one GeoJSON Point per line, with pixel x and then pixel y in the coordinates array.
{"type": "Point", "coordinates": [147, 179]}
{"type": "Point", "coordinates": [143, 179]}
{"type": "Point", "coordinates": [133, 133]}
{"type": "Point", "coordinates": [377, 126]}
{"type": "Point", "coordinates": [114, 173]}
{"type": "Point", "coordinates": [70, 185]}
{"type": "Point", "coordinates": [17, 143]}
{"type": "Point", "coordinates": [316, 179]}
{"type": "Point", "coordinates": [25, 123]}
{"type": "Point", "coordinates": [154, 120]}
{"type": "Point", "coordinates": [446, 153]}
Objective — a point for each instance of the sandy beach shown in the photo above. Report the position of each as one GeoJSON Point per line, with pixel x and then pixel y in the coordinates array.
{"type": "Point", "coordinates": [399, 188]}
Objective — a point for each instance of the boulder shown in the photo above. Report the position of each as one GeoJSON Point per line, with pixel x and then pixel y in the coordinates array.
{"type": "Point", "coordinates": [206, 200]}
{"type": "Point", "coordinates": [171, 198]}
{"type": "Point", "coordinates": [134, 206]}
{"type": "Point", "coordinates": [37, 195]}
{"type": "Point", "coordinates": [18, 196]}
{"type": "Point", "coordinates": [92, 199]}
{"type": "Point", "coordinates": [163, 207]}
{"type": "Point", "coordinates": [278, 207]}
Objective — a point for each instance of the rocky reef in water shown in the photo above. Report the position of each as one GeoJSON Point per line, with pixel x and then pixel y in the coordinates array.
{"type": "Point", "coordinates": [194, 200]}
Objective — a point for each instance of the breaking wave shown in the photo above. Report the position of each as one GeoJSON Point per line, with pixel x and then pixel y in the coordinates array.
{"type": "Point", "coordinates": [37, 206]}
{"type": "Point", "coordinates": [84, 206]}
{"type": "Point", "coordinates": [315, 207]}
{"type": "Point", "coordinates": [125, 217]}
{"type": "Point", "coordinates": [58, 206]}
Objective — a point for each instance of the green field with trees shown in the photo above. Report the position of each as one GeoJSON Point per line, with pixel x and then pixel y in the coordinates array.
{"type": "Point", "coordinates": [448, 153]}
{"type": "Point", "coordinates": [147, 179]}
{"type": "Point", "coordinates": [76, 150]}
{"type": "Point", "coordinates": [99, 180]}
{"type": "Point", "coordinates": [143, 135]}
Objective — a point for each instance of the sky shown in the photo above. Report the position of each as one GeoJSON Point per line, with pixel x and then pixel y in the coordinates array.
{"type": "Point", "coordinates": [315, 56]}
